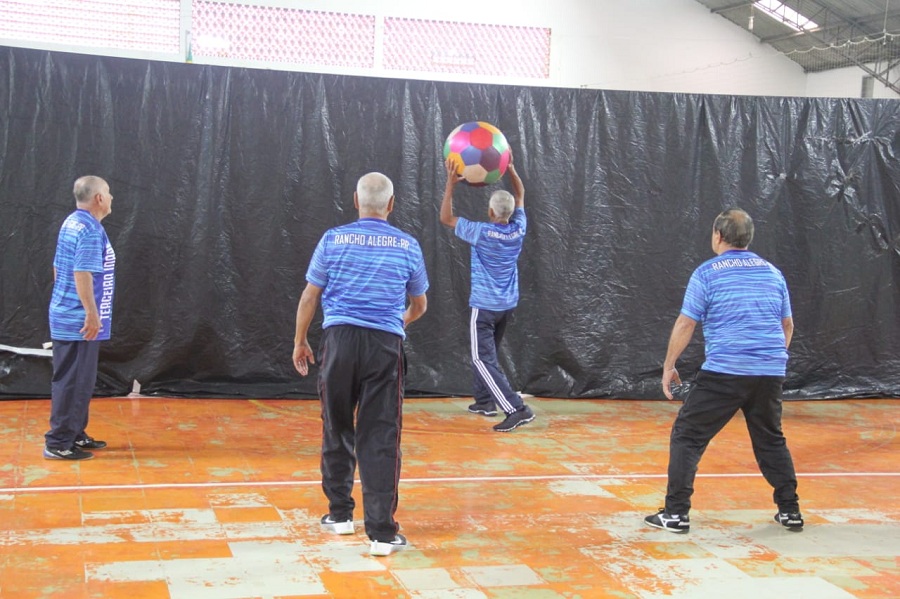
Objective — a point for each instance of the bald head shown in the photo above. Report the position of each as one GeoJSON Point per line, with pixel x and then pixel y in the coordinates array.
{"type": "Point", "coordinates": [374, 193]}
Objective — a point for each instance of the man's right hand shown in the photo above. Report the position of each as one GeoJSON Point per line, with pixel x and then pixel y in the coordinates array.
{"type": "Point", "coordinates": [302, 357]}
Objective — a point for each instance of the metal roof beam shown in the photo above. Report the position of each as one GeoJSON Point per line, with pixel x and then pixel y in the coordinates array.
{"type": "Point", "coordinates": [722, 9]}
{"type": "Point", "coordinates": [837, 26]}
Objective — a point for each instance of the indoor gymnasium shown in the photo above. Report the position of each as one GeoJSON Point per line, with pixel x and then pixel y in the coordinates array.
{"type": "Point", "coordinates": [531, 300]}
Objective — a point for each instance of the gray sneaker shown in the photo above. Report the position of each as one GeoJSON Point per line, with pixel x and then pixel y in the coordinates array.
{"type": "Point", "coordinates": [484, 409]}
{"type": "Point", "coordinates": [515, 420]}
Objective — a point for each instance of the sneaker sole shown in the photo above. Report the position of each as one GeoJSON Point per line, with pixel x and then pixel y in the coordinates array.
{"type": "Point", "coordinates": [677, 531]}
{"type": "Point", "coordinates": [484, 412]}
{"type": "Point", "coordinates": [379, 549]}
{"type": "Point", "coordinates": [50, 456]}
{"type": "Point", "coordinates": [515, 426]}
{"type": "Point", "coordinates": [339, 528]}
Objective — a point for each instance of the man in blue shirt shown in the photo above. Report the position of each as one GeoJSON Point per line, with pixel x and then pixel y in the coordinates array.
{"type": "Point", "coordinates": [80, 317]}
{"type": "Point", "coordinates": [494, 294]}
{"type": "Point", "coordinates": [745, 308]}
{"type": "Point", "coordinates": [363, 272]}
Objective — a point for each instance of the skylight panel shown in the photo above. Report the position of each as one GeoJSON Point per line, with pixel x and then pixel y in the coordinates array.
{"type": "Point", "coordinates": [785, 15]}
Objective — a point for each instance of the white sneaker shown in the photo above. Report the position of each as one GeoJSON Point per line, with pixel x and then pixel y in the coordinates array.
{"type": "Point", "coordinates": [384, 548]}
{"type": "Point", "coordinates": [338, 528]}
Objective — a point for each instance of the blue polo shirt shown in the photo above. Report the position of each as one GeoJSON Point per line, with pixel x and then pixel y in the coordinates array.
{"type": "Point", "coordinates": [740, 299]}
{"type": "Point", "coordinates": [495, 251]}
{"type": "Point", "coordinates": [82, 246]}
{"type": "Point", "coordinates": [366, 269]}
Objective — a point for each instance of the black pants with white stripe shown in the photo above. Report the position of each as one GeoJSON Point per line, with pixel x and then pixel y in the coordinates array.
{"type": "Point", "coordinates": [71, 389]}
{"type": "Point", "coordinates": [490, 384]}
{"type": "Point", "coordinates": [709, 406]}
{"type": "Point", "coordinates": [361, 374]}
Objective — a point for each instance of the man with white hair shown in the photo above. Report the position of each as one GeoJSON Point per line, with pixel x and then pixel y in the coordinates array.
{"type": "Point", "coordinates": [494, 293]}
{"type": "Point", "coordinates": [80, 318]}
{"type": "Point", "coordinates": [363, 272]}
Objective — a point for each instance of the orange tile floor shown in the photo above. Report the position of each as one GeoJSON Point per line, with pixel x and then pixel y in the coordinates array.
{"type": "Point", "coordinates": [220, 499]}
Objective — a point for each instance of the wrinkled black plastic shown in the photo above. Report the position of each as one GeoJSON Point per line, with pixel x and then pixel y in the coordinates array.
{"type": "Point", "coordinates": [224, 179]}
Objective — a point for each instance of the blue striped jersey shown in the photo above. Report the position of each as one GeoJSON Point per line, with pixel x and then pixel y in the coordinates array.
{"type": "Point", "coordinates": [82, 246]}
{"type": "Point", "coordinates": [495, 251]}
{"type": "Point", "coordinates": [366, 269]}
{"type": "Point", "coordinates": [740, 299]}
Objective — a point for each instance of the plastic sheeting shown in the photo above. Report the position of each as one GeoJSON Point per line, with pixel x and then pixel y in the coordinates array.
{"type": "Point", "coordinates": [224, 179]}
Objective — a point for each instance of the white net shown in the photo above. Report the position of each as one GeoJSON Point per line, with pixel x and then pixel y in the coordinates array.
{"type": "Point", "coordinates": [881, 53]}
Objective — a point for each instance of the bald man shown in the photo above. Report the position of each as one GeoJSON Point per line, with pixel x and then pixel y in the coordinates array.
{"type": "Point", "coordinates": [363, 273]}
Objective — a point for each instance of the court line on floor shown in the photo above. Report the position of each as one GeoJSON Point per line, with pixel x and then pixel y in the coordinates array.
{"type": "Point", "coordinates": [462, 479]}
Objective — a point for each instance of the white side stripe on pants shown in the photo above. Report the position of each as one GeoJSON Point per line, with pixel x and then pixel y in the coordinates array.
{"type": "Point", "coordinates": [482, 369]}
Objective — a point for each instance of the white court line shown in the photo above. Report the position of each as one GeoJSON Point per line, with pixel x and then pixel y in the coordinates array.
{"type": "Point", "coordinates": [462, 479]}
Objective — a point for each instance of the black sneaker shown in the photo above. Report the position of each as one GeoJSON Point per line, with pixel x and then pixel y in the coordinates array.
{"type": "Point", "coordinates": [384, 548]}
{"type": "Point", "coordinates": [677, 523]}
{"type": "Point", "coordinates": [66, 454]}
{"type": "Point", "coordinates": [338, 527]}
{"type": "Point", "coordinates": [792, 521]}
{"type": "Point", "coordinates": [483, 408]}
{"type": "Point", "coordinates": [515, 420]}
{"type": "Point", "coordinates": [90, 443]}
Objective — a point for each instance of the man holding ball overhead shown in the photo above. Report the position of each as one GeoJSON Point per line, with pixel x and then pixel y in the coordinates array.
{"type": "Point", "coordinates": [496, 246]}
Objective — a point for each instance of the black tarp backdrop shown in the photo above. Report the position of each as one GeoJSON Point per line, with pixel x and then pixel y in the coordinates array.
{"type": "Point", "coordinates": [224, 180]}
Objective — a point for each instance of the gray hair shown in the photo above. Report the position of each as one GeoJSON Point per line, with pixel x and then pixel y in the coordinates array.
{"type": "Point", "coordinates": [503, 204]}
{"type": "Point", "coordinates": [374, 191]}
{"type": "Point", "coordinates": [87, 187]}
{"type": "Point", "coordinates": [736, 227]}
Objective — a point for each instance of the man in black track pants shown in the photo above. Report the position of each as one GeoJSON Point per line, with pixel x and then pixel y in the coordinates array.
{"type": "Point", "coordinates": [744, 305]}
{"type": "Point", "coordinates": [363, 272]}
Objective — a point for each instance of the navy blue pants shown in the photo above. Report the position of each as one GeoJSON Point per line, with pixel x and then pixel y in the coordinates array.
{"type": "Point", "coordinates": [709, 406]}
{"type": "Point", "coordinates": [361, 374]}
{"type": "Point", "coordinates": [71, 389]}
{"type": "Point", "coordinates": [491, 387]}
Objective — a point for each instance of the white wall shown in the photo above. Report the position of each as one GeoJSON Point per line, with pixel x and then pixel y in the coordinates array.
{"type": "Point", "coordinates": [642, 45]}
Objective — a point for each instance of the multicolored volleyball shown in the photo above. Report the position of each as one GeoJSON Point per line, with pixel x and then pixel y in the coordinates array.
{"type": "Point", "coordinates": [480, 152]}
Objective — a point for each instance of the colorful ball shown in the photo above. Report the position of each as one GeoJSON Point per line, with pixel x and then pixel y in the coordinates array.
{"type": "Point", "coordinates": [480, 152]}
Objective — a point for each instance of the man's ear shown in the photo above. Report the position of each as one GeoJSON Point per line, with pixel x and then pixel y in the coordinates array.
{"type": "Point", "coordinates": [390, 206]}
{"type": "Point", "coordinates": [356, 200]}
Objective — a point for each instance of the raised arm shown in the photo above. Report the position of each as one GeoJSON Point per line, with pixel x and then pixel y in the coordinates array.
{"type": "Point", "coordinates": [447, 217]}
{"type": "Point", "coordinates": [518, 190]}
